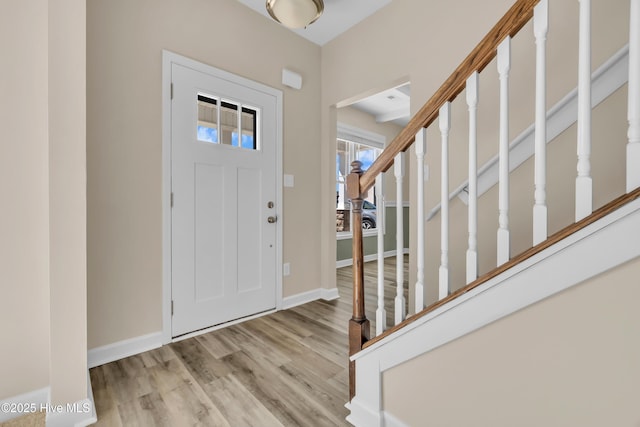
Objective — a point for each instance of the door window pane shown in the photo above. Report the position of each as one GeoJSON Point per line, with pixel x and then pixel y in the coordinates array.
{"type": "Point", "coordinates": [220, 123]}
{"type": "Point", "coordinates": [207, 119]}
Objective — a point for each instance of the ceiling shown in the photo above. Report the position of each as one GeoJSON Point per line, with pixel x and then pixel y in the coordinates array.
{"type": "Point", "coordinates": [338, 17]}
{"type": "Point", "coordinates": [391, 105]}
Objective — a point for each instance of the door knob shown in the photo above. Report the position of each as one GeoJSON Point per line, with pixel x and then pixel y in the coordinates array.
{"type": "Point", "coordinates": [272, 219]}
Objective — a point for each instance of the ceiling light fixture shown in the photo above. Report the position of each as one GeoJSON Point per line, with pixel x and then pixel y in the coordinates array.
{"type": "Point", "coordinates": [295, 13]}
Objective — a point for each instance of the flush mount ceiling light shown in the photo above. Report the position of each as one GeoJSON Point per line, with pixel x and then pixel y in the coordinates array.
{"type": "Point", "coordinates": [295, 13]}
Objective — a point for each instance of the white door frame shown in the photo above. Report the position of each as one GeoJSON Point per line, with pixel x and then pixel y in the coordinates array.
{"type": "Point", "coordinates": [169, 58]}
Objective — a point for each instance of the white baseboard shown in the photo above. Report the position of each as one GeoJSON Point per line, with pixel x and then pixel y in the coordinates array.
{"type": "Point", "coordinates": [329, 294]}
{"type": "Point", "coordinates": [349, 261]}
{"type": "Point", "coordinates": [312, 295]}
{"type": "Point", "coordinates": [121, 349]}
{"type": "Point", "coordinates": [78, 414]}
{"type": "Point", "coordinates": [38, 398]}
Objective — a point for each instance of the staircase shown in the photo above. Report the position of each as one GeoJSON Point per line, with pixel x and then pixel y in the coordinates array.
{"type": "Point", "coordinates": [598, 241]}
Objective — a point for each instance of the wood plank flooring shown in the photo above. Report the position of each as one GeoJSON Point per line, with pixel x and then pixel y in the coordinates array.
{"type": "Point", "coordinates": [285, 369]}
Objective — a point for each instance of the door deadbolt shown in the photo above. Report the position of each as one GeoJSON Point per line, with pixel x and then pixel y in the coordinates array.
{"type": "Point", "coordinates": [272, 219]}
{"type": "Point", "coordinates": [270, 205]}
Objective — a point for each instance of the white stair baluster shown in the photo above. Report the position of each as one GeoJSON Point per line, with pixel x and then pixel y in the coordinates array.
{"type": "Point", "coordinates": [381, 313]}
{"type": "Point", "coordinates": [540, 28]}
{"type": "Point", "coordinates": [584, 184]}
{"type": "Point", "coordinates": [400, 310]}
{"type": "Point", "coordinates": [472, 251]}
{"type": "Point", "coordinates": [633, 114]}
{"type": "Point", "coordinates": [504, 66]}
{"type": "Point", "coordinates": [445, 126]}
{"type": "Point", "coordinates": [421, 145]}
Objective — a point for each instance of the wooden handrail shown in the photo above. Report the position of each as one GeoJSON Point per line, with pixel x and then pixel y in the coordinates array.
{"type": "Point", "coordinates": [510, 24]}
{"type": "Point", "coordinates": [552, 240]}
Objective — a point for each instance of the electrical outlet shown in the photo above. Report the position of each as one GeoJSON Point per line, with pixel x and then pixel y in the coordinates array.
{"type": "Point", "coordinates": [286, 269]}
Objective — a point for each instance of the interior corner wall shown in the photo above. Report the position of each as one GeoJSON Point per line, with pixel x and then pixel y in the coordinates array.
{"type": "Point", "coordinates": [125, 40]}
{"type": "Point", "coordinates": [24, 189]}
{"type": "Point", "coordinates": [67, 200]}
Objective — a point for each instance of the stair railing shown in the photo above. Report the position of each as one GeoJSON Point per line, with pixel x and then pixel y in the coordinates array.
{"type": "Point", "coordinates": [496, 43]}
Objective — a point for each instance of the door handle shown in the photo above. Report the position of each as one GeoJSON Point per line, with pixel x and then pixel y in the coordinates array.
{"type": "Point", "coordinates": [272, 219]}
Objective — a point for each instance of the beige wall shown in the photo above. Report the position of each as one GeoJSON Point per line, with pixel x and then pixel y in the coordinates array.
{"type": "Point", "coordinates": [570, 360]}
{"type": "Point", "coordinates": [413, 46]}
{"type": "Point", "coordinates": [24, 218]}
{"type": "Point", "coordinates": [67, 200]}
{"type": "Point", "coordinates": [42, 168]}
{"type": "Point", "coordinates": [125, 42]}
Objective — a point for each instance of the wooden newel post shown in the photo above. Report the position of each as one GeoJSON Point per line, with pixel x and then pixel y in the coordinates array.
{"type": "Point", "coordinates": [358, 325]}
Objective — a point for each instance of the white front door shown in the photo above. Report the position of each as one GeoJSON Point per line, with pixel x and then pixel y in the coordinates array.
{"type": "Point", "coordinates": [223, 182]}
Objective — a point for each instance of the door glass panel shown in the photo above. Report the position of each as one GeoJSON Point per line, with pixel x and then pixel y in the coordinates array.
{"type": "Point", "coordinates": [229, 123]}
{"type": "Point", "coordinates": [249, 127]}
{"type": "Point", "coordinates": [207, 119]}
{"type": "Point", "coordinates": [224, 126]}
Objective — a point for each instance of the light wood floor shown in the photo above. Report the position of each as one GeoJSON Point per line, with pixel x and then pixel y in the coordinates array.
{"type": "Point", "coordinates": [285, 369]}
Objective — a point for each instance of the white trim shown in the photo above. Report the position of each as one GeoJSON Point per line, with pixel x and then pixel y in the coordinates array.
{"type": "Point", "coordinates": [525, 284]}
{"type": "Point", "coordinates": [84, 415]}
{"type": "Point", "coordinates": [309, 296]}
{"type": "Point", "coordinates": [361, 415]}
{"type": "Point", "coordinates": [361, 136]}
{"type": "Point", "coordinates": [371, 257]}
{"type": "Point", "coordinates": [393, 204]}
{"type": "Point", "coordinates": [121, 349]}
{"type": "Point", "coordinates": [301, 298]}
{"type": "Point", "coordinates": [329, 294]}
{"type": "Point", "coordinates": [41, 401]}
{"type": "Point", "coordinates": [169, 58]}
{"type": "Point", "coordinates": [38, 397]}
{"type": "Point", "coordinates": [611, 76]}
